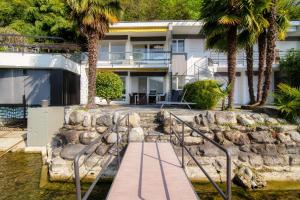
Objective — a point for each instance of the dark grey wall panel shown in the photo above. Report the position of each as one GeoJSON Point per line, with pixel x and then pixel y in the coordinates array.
{"type": "Point", "coordinates": [37, 86]}
{"type": "Point", "coordinates": [11, 86]}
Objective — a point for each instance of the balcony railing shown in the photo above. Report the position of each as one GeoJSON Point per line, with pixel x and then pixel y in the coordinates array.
{"type": "Point", "coordinates": [135, 58]}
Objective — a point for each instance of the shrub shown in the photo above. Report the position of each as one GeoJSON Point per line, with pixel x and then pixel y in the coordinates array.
{"type": "Point", "coordinates": [290, 68]}
{"type": "Point", "coordinates": [287, 100]}
{"type": "Point", "coordinates": [109, 86]}
{"type": "Point", "coordinates": [205, 94]}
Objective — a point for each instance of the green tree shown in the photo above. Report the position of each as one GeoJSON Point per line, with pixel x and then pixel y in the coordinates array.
{"type": "Point", "coordinates": [93, 17]}
{"type": "Point", "coordinates": [287, 100]}
{"type": "Point", "coordinates": [222, 19]}
{"type": "Point", "coordinates": [289, 68]}
{"type": "Point", "coordinates": [108, 86]}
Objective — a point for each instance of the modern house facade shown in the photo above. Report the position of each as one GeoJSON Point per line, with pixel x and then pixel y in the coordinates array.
{"type": "Point", "coordinates": [154, 60]}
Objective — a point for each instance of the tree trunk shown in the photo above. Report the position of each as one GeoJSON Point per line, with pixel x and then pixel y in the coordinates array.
{"type": "Point", "coordinates": [231, 58]}
{"type": "Point", "coordinates": [92, 59]}
{"type": "Point", "coordinates": [262, 45]}
{"type": "Point", "coordinates": [271, 44]}
{"type": "Point", "coordinates": [249, 54]}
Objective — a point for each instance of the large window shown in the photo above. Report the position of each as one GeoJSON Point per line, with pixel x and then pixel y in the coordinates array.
{"type": "Point", "coordinates": [178, 82]}
{"type": "Point", "coordinates": [178, 46]}
{"type": "Point", "coordinates": [112, 51]}
{"type": "Point", "coordinates": [156, 84]}
{"type": "Point", "coordinates": [103, 54]}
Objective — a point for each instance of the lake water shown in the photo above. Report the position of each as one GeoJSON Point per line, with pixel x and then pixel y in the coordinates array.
{"type": "Point", "coordinates": [20, 178]}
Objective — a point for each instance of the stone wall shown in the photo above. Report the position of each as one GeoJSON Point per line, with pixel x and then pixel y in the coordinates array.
{"type": "Point", "coordinates": [269, 145]}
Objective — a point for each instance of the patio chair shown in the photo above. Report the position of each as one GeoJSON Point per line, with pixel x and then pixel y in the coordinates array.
{"type": "Point", "coordinates": [181, 102]}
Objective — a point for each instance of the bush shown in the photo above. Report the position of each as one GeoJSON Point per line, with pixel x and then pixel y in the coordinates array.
{"type": "Point", "coordinates": [287, 100]}
{"type": "Point", "coordinates": [109, 86]}
{"type": "Point", "coordinates": [290, 68]}
{"type": "Point", "coordinates": [206, 94]}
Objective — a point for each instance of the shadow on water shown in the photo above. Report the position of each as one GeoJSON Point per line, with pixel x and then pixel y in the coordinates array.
{"type": "Point", "coordinates": [20, 179]}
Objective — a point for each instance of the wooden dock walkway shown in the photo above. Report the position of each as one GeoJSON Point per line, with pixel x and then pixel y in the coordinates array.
{"type": "Point", "coordinates": [151, 171]}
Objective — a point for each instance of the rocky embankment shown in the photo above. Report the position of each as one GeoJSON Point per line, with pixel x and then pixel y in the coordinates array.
{"type": "Point", "coordinates": [260, 145]}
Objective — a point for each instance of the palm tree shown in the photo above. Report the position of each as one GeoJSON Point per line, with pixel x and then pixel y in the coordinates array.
{"type": "Point", "coordinates": [262, 46]}
{"type": "Point", "coordinates": [278, 18]}
{"type": "Point", "coordinates": [93, 17]}
{"type": "Point", "coordinates": [222, 19]}
{"type": "Point", "coordinates": [249, 58]}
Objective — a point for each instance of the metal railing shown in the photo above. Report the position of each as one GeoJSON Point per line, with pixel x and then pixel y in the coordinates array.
{"type": "Point", "coordinates": [227, 194]}
{"type": "Point", "coordinates": [87, 153]}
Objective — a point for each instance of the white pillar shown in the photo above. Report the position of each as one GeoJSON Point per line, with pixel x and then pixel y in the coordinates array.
{"type": "Point", "coordinates": [128, 88]}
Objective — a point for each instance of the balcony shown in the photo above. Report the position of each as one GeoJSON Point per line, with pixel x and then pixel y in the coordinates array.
{"type": "Point", "coordinates": [151, 59]}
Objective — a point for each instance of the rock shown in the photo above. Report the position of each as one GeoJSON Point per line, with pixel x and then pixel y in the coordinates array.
{"type": "Point", "coordinates": [101, 129]}
{"type": "Point", "coordinates": [295, 136]}
{"type": "Point", "coordinates": [56, 152]}
{"type": "Point", "coordinates": [243, 157]}
{"type": "Point", "coordinates": [210, 117]}
{"type": "Point", "coordinates": [71, 136]}
{"type": "Point", "coordinates": [192, 140]}
{"type": "Point", "coordinates": [77, 117]}
{"type": "Point", "coordinates": [136, 135]}
{"type": "Point", "coordinates": [285, 128]}
{"type": "Point", "coordinates": [255, 160]}
{"type": "Point", "coordinates": [104, 120]}
{"type": "Point", "coordinates": [238, 127]}
{"type": "Point", "coordinates": [259, 119]}
{"type": "Point", "coordinates": [87, 137]}
{"type": "Point", "coordinates": [134, 120]}
{"type": "Point", "coordinates": [219, 137]}
{"type": "Point", "coordinates": [262, 137]}
{"type": "Point", "coordinates": [87, 120]}
{"type": "Point", "coordinates": [203, 129]}
{"type": "Point", "coordinates": [197, 120]}
{"type": "Point", "coordinates": [93, 162]}
{"type": "Point", "coordinates": [284, 137]}
{"type": "Point", "coordinates": [294, 160]}
{"type": "Point", "coordinates": [245, 148]}
{"type": "Point", "coordinates": [61, 166]}
{"type": "Point", "coordinates": [204, 121]}
{"type": "Point", "coordinates": [271, 120]}
{"type": "Point", "coordinates": [262, 128]}
{"type": "Point", "coordinates": [276, 160]}
{"type": "Point", "coordinates": [224, 117]}
{"type": "Point", "coordinates": [102, 149]}
{"type": "Point", "coordinates": [245, 120]}
{"type": "Point", "coordinates": [111, 138]}
{"type": "Point", "coordinates": [71, 150]}
{"type": "Point", "coordinates": [248, 178]}
{"type": "Point", "coordinates": [209, 150]}
{"type": "Point", "coordinates": [237, 137]}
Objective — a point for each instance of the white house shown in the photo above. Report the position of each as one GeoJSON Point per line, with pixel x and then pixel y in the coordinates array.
{"type": "Point", "coordinates": [154, 60]}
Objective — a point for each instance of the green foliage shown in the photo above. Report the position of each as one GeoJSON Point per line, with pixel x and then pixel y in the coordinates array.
{"type": "Point", "coordinates": [206, 94]}
{"type": "Point", "coordinates": [108, 86]}
{"type": "Point", "coordinates": [144, 10]}
{"type": "Point", "coordinates": [37, 17]}
{"type": "Point", "coordinates": [287, 100]}
{"type": "Point", "coordinates": [10, 39]}
{"type": "Point", "coordinates": [290, 68]}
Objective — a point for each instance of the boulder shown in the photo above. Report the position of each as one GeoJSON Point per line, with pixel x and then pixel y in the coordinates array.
{"type": "Point", "coordinates": [262, 137]}
{"type": "Point", "coordinates": [284, 137]}
{"type": "Point", "coordinates": [295, 136]}
{"type": "Point", "coordinates": [71, 150]}
{"type": "Point", "coordinates": [104, 120]}
{"type": "Point", "coordinates": [87, 137]}
{"type": "Point", "coordinates": [224, 117]}
{"type": "Point", "coordinates": [276, 160]}
{"type": "Point", "coordinates": [197, 120]}
{"type": "Point", "coordinates": [111, 138]}
{"type": "Point", "coordinates": [259, 119]}
{"type": "Point", "coordinates": [136, 135]}
{"type": "Point", "coordinates": [87, 120]}
{"type": "Point", "coordinates": [71, 136]}
{"type": "Point", "coordinates": [245, 148]}
{"type": "Point", "coordinates": [245, 120]}
{"type": "Point", "coordinates": [237, 137]}
{"type": "Point", "coordinates": [102, 149]}
{"type": "Point", "coordinates": [271, 120]}
{"type": "Point", "coordinates": [76, 117]}
{"type": "Point", "coordinates": [134, 120]}
{"type": "Point", "coordinates": [204, 121]}
{"type": "Point", "coordinates": [210, 117]}
{"type": "Point", "coordinates": [192, 140]}
{"type": "Point", "coordinates": [219, 137]}
{"type": "Point", "coordinates": [101, 129]}
{"type": "Point", "coordinates": [248, 178]}
{"type": "Point", "coordinates": [255, 160]}
{"type": "Point", "coordinates": [285, 128]}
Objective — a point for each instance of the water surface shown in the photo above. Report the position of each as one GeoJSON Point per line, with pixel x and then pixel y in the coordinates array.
{"type": "Point", "coordinates": [20, 178]}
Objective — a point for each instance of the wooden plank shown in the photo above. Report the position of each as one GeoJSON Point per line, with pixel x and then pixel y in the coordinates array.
{"type": "Point", "coordinates": [151, 171]}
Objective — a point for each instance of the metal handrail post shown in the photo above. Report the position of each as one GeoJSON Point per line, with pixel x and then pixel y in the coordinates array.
{"type": "Point", "coordinates": [228, 167]}
{"type": "Point", "coordinates": [170, 127]}
{"type": "Point", "coordinates": [118, 137]}
{"type": "Point", "coordinates": [77, 178]}
{"type": "Point", "coordinates": [182, 146]}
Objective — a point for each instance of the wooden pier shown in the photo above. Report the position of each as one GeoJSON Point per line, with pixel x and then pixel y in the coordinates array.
{"type": "Point", "coordinates": [151, 171]}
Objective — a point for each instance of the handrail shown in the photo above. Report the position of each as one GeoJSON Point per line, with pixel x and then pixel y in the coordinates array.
{"type": "Point", "coordinates": [86, 149]}
{"type": "Point", "coordinates": [227, 195]}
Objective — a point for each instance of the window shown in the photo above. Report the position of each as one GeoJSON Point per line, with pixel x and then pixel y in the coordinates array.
{"type": "Point", "coordinates": [156, 84]}
{"type": "Point", "coordinates": [117, 52]}
{"type": "Point", "coordinates": [178, 46]}
{"type": "Point", "coordinates": [178, 82]}
{"type": "Point", "coordinates": [103, 52]}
